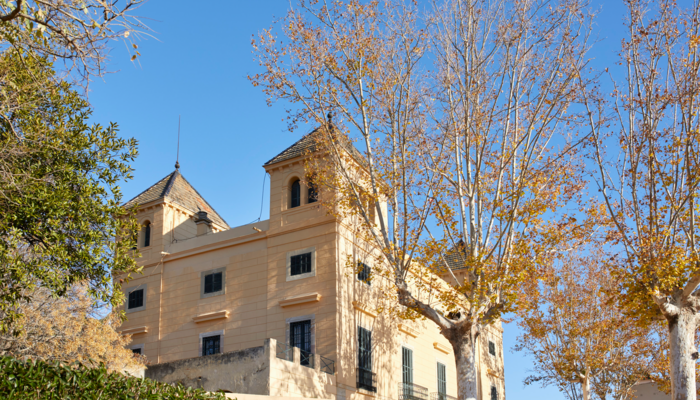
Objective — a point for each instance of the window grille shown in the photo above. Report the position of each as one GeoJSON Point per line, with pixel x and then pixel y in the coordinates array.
{"type": "Point", "coordinates": [301, 264]}
{"type": "Point", "coordinates": [364, 349]}
{"type": "Point", "coordinates": [136, 298]}
{"type": "Point", "coordinates": [213, 282]}
{"type": "Point", "coordinates": [296, 194]}
{"type": "Point", "coordinates": [211, 345]}
{"type": "Point", "coordinates": [364, 272]}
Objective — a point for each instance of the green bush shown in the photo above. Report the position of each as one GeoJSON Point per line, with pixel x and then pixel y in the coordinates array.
{"type": "Point", "coordinates": [41, 380]}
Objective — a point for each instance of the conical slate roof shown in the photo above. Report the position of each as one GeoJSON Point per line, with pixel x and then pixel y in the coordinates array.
{"type": "Point", "coordinates": [176, 189]}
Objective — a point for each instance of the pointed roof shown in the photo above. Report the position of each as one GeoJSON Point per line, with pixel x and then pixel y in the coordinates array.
{"type": "Point", "coordinates": [176, 189]}
{"type": "Point", "coordinates": [456, 257]}
{"type": "Point", "coordinates": [308, 144]}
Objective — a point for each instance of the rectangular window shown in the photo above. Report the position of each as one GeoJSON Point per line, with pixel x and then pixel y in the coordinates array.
{"type": "Point", "coordinates": [300, 336]}
{"type": "Point", "coordinates": [492, 348]}
{"type": "Point", "coordinates": [136, 350]}
{"type": "Point", "coordinates": [211, 345]}
{"type": "Point", "coordinates": [213, 282]}
{"type": "Point", "coordinates": [494, 393]}
{"type": "Point", "coordinates": [441, 381]}
{"type": "Point", "coordinates": [364, 349]}
{"type": "Point", "coordinates": [407, 364]}
{"type": "Point", "coordinates": [363, 272]}
{"type": "Point", "coordinates": [136, 298]}
{"type": "Point", "coordinates": [300, 264]}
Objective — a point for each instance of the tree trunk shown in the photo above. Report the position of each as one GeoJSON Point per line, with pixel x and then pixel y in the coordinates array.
{"type": "Point", "coordinates": [683, 354]}
{"type": "Point", "coordinates": [465, 360]}
{"type": "Point", "coordinates": [586, 386]}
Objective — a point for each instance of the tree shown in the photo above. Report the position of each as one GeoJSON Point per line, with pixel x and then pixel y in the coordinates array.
{"type": "Point", "coordinates": [59, 193]}
{"type": "Point", "coordinates": [578, 336]}
{"type": "Point", "coordinates": [73, 32]}
{"type": "Point", "coordinates": [69, 329]}
{"type": "Point", "coordinates": [647, 157]}
{"type": "Point", "coordinates": [462, 114]}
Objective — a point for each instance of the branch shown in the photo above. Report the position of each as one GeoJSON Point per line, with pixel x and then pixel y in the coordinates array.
{"type": "Point", "coordinates": [13, 14]}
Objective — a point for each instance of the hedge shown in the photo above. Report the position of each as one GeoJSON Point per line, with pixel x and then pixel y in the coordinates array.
{"type": "Point", "coordinates": [42, 380]}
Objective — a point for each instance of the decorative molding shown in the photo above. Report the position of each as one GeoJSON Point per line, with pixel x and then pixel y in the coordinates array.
{"type": "Point", "coordinates": [135, 331]}
{"type": "Point", "coordinates": [210, 316]}
{"type": "Point", "coordinates": [300, 299]}
{"type": "Point", "coordinates": [410, 331]}
{"type": "Point", "coordinates": [364, 308]}
{"type": "Point", "coordinates": [441, 347]}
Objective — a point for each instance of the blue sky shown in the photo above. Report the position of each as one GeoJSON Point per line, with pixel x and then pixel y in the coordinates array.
{"type": "Point", "coordinates": [196, 67]}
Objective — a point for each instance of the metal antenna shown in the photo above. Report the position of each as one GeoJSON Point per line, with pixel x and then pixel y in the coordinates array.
{"type": "Point", "coordinates": [177, 160]}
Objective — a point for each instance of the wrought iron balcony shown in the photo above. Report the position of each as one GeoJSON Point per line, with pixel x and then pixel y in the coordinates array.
{"type": "Point", "coordinates": [306, 358]}
{"type": "Point", "coordinates": [411, 391]}
{"type": "Point", "coordinates": [441, 396]}
{"type": "Point", "coordinates": [366, 380]}
{"type": "Point", "coordinates": [285, 352]}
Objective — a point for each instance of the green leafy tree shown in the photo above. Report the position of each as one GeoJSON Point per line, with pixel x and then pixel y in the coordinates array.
{"type": "Point", "coordinates": [59, 193]}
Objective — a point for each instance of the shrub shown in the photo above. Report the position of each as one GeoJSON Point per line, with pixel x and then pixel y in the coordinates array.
{"type": "Point", "coordinates": [42, 380]}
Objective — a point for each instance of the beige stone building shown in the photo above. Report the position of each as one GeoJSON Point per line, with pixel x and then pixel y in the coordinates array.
{"type": "Point", "coordinates": [272, 308]}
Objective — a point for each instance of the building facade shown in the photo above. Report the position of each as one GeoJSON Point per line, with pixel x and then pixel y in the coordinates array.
{"type": "Point", "coordinates": [273, 308]}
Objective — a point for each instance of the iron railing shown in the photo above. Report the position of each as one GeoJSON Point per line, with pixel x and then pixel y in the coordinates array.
{"type": "Point", "coordinates": [411, 391]}
{"type": "Point", "coordinates": [327, 365]}
{"type": "Point", "coordinates": [306, 358]}
{"type": "Point", "coordinates": [366, 380]}
{"type": "Point", "coordinates": [441, 396]}
{"type": "Point", "coordinates": [285, 352]}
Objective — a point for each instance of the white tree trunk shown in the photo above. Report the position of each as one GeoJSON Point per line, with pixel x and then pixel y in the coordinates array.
{"type": "Point", "coordinates": [683, 354]}
{"type": "Point", "coordinates": [586, 387]}
{"type": "Point", "coordinates": [465, 359]}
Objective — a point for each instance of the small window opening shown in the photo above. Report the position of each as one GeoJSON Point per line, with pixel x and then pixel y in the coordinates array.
{"type": "Point", "coordinates": [136, 351]}
{"type": "Point", "coordinates": [296, 194]}
{"type": "Point", "coordinates": [492, 348]}
{"type": "Point", "coordinates": [147, 235]}
{"type": "Point", "coordinates": [211, 345]}
{"type": "Point", "coordinates": [136, 298]}
{"type": "Point", "coordinates": [300, 264]}
{"type": "Point", "coordinates": [313, 191]}
{"type": "Point", "coordinates": [213, 282]}
{"type": "Point", "coordinates": [494, 393]}
{"type": "Point", "coordinates": [300, 336]}
{"type": "Point", "coordinates": [363, 272]}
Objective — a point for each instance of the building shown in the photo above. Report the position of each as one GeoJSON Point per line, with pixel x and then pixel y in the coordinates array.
{"type": "Point", "coordinates": [272, 308]}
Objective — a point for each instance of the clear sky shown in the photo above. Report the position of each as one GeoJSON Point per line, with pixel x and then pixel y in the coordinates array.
{"type": "Point", "coordinates": [196, 67]}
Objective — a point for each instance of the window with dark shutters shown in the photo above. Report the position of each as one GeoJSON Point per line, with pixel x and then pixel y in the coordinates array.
{"type": "Point", "coordinates": [492, 348]}
{"type": "Point", "coordinates": [300, 336]}
{"type": "Point", "coordinates": [300, 264]}
{"type": "Point", "coordinates": [296, 194]}
{"type": "Point", "coordinates": [407, 364]}
{"type": "Point", "coordinates": [313, 192]}
{"type": "Point", "coordinates": [213, 282]}
{"type": "Point", "coordinates": [494, 393]}
{"type": "Point", "coordinates": [441, 381]}
{"type": "Point", "coordinates": [211, 345]}
{"type": "Point", "coordinates": [136, 298]}
{"type": "Point", "coordinates": [364, 349]}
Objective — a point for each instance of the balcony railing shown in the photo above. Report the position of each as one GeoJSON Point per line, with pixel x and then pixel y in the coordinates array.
{"type": "Point", "coordinates": [306, 358]}
{"type": "Point", "coordinates": [411, 391]}
{"type": "Point", "coordinates": [285, 352]}
{"type": "Point", "coordinates": [327, 365]}
{"type": "Point", "coordinates": [441, 396]}
{"type": "Point", "coordinates": [366, 380]}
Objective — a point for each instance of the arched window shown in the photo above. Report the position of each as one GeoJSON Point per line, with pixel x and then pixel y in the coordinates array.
{"type": "Point", "coordinates": [147, 234]}
{"type": "Point", "coordinates": [296, 194]}
{"type": "Point", "coordinates": [313, 192]}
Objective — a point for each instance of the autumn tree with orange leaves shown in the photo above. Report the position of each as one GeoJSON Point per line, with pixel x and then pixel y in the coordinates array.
{"type": "Point", "coordinates": [578, 336]}
{"type": "Point", "coordinates": [646, 149]}
{"type": "Point", "coordinates": [462, 114]}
